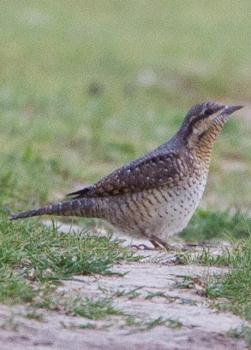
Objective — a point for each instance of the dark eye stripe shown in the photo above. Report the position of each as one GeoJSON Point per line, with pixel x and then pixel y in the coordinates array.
{"type": "Point", "coordinates": [192, 122]}
{"type": "Point", "coordinates": [199, 117]}
{"type": "Point", "coordinates": [208, 112]}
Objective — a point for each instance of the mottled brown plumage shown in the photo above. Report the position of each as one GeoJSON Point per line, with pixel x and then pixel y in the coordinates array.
{"type": "Point", "coordinates": [155, 195]}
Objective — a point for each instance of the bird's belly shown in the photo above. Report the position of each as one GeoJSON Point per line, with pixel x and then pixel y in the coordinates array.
{"type": "Point", "coordinates": [175, 213]}
{"type": "Point", "coordinates": [162, 212]}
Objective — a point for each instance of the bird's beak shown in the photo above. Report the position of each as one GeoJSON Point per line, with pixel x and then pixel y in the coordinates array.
{"type": "Point", "coordinates": [225, 114]}
{"type": "Point", "coordinates": [227, 111]}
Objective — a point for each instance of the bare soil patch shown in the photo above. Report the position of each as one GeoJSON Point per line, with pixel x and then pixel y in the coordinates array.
{"type": "Point", "coordinates": [162, 306]}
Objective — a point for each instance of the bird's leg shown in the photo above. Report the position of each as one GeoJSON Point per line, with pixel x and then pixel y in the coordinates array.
{"type": "Point", "coordinates": [156, 242]}
{"type": "Point", "coordinates": [159, 243]}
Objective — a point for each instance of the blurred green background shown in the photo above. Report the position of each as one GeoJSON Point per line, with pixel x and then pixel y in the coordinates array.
{"type": "Point", "coordinates": [86, 86]}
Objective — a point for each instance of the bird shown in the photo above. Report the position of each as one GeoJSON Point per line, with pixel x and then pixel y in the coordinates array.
{"type": "Point", "coordinates": [154, 196]}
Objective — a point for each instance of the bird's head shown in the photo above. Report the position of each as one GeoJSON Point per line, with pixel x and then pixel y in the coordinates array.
{"type": "Point", "coordinates": [203, 123]}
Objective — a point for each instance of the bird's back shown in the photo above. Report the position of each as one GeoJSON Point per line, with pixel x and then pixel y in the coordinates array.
{"type": "Point", "coordinates": [165, 207]}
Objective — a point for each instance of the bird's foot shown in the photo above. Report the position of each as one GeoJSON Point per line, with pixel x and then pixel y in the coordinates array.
{"type": "Point", "coordinates": [159, 244]}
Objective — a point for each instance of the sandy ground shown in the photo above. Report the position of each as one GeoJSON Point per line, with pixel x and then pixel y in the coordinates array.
{"type": "Point", "coordinates": [155, 288]}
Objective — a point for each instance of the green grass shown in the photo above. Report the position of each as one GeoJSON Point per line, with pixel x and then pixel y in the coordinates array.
{"type": "Point", "coordinates": [33, 256]}
{"type": "Point", "coordinates": [243, 332]}
{"type": "Point", "coordinates": [88, 86]}
{"type": "Point", "coordinates": [94, 309]}
{"type": "Point", "coordinates": [91, 308]}
{"type": "Point", "coordinates": [146, 325]}
{"type": "Point", "coordinates": [74, 78]}
{"type": "Point", "coordinates": [206, 258]}
{"type": "Point", "coordinates": [235, 286]}
{"type": "Point", "coordinates": [232, 290]}
{"type": "Point", "coordinates": [34, 315]}
{"type": "Point", "coordinates": [208, 225]}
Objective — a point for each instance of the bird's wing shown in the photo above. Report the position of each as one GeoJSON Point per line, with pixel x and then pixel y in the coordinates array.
{"type": "Point", "coordinates": [142, 174]}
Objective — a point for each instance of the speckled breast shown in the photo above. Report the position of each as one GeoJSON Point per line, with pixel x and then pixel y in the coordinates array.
{"type": "Point", "coordinates": [162, 212]}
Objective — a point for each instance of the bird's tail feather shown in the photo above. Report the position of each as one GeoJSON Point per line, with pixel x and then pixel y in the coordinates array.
{"type": "Point", "coordinates": [77, 207]}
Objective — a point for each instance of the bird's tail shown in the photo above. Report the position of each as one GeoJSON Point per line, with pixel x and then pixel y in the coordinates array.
{"type": "Point", "coordinates": [87, 207]}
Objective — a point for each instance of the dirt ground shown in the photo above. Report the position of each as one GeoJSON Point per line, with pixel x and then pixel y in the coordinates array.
{"type": "Point", "coordinates": [165, 300]}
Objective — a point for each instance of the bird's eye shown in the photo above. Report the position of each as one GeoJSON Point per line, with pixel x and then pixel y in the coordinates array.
{"type": "Point", "coordinates": [208, 112]}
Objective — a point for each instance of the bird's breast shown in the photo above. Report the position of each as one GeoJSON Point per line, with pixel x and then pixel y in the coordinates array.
{"type": "Point", "coordinates": [177, 205]}
{"type": "Point", "coordinates": [162, 211]}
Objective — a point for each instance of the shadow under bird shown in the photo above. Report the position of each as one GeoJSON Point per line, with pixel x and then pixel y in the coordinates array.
{"type": "Point", "coordinates": [156, 195]}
